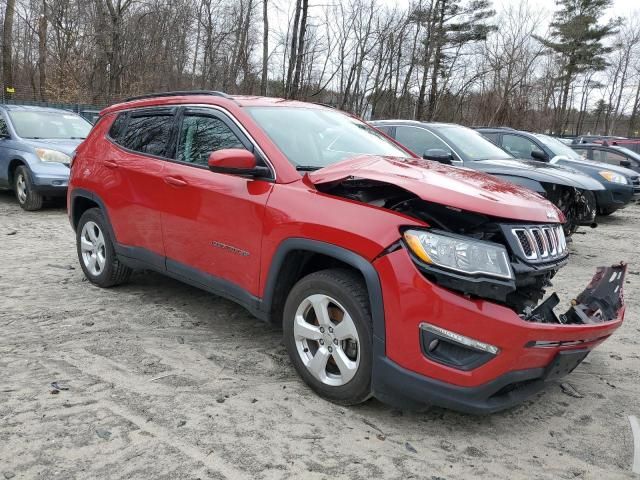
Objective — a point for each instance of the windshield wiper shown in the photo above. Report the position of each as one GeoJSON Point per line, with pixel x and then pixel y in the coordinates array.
{"type": "Point", "coordinates": [307, 168]}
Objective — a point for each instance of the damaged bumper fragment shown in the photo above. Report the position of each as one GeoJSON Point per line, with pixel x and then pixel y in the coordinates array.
{"type": "Point", "coordinates": [598, 303]}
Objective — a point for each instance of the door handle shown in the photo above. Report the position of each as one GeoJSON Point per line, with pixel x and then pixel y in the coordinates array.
{"type": "Point", "coordinates": [110, 164]}
{"type": "Point", "coordinates": [175, 182]}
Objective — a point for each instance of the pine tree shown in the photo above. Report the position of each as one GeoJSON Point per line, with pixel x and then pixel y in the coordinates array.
{"type": "Point", "coordinates": [577, 39]}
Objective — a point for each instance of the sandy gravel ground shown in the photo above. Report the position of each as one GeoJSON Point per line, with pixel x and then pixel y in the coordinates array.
{"type": "Point", "coordinates": [168, 382]}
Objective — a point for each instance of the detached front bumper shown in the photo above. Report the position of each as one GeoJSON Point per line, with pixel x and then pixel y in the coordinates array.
{"type": "Point", "coordinates": [529, 353]}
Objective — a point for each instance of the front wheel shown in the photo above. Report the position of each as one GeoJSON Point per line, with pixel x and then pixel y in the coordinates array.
{"type": "Point", "coordinates": [328, 334]}
{"type": "Point", "coordinates": [96, 251]}
{"type": "Point", "coordinates": [28, 198]}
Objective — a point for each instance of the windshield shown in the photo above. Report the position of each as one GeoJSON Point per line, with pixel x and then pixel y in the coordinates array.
{"type": "Point", "coordinates": [313, 138]}
{"type": "Point", "coordinates": [50, 125]}
{"type": "Point", "coordinates": [558, 148]}
{"type": "Point", "coordinates": [469, 144]}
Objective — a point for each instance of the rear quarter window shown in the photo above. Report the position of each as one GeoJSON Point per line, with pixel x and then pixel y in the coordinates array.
{"type": "Point", "coordinates": [118, 126]}
{"type": "Point", "coordinates": [147, 134]}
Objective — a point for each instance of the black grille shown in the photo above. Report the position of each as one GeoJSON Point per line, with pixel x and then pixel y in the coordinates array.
{"type": "Point", "coordinates": [524, 242]}
{"type": "Point", "coordinates": [539, 241]}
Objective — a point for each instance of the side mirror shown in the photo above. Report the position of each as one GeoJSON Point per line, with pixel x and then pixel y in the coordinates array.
{"type": "Point", "coordinates": [539, 155]}
{"type": "Point", "coordinates": [438, 155]}
{"type": "Point", "coordinates": [236, 161]}
{"type": "Point", "coordinates": [625, 163]}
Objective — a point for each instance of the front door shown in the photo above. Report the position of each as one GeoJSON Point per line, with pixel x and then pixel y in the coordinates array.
{"type": "Point", "coordinates": [212, 223]}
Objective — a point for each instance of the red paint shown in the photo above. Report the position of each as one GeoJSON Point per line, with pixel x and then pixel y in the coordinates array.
{"type": "Point", "coordinates": [235, 158]}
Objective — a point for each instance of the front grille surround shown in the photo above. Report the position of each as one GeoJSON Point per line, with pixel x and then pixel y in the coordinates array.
{"type": "Point", "coordinates": [539, 243]}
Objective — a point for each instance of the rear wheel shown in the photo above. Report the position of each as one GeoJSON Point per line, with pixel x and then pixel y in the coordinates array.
{"type": "Point", "coordinates": [28, 198]}
{"type": "Point", "coordinates": [328, 335]}
{"type": "Point", "coordinates": [96, 252]}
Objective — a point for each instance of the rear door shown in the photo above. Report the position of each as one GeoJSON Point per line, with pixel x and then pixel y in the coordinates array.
{"type": "Point", "coordinates": [133, 186]}
{"type": "Point", "coordinates": [212, 222]}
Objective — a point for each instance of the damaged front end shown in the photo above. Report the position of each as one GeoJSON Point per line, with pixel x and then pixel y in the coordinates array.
{"type": "Point", "coordinates": [599, 302]}
{"type": "Point", "coordinates": [578, 206]}
{"type": "Point", "coordinates": [534, 253]}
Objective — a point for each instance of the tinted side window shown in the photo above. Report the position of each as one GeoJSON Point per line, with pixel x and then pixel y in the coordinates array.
{"type": "Point", "coordinates": [518, 146]}
{"type": "Point", "coordinates": [4, 130]}
{"type": "Point", "coordinates": [419, 140]}
{"type": "Point", "coordinates": [117, 127]}
{"type": "Point", "coordinates": [201, 135]}
{"type": "Point", "coordinates": [148, 134]}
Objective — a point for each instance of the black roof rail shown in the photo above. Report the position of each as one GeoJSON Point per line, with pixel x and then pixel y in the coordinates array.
{"type": "Point", "coordinates": [179, 93]}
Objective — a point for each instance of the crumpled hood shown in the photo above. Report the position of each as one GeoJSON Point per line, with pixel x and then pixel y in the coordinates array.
{"type": "Point", "coordinates": [65, 146]}
{"type": "Point", "coordinates": [451, 186]}
{"type": "Point", "coordinates": [540, 171]}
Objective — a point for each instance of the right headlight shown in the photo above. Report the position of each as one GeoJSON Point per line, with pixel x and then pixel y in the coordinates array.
{"type": "Point", "coordinates": [613, 177]}
{"type": "Point", "coordinates": [459, 253]}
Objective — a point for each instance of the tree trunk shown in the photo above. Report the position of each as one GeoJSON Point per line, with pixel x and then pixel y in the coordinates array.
{"type": "Point", "coordinates": [7, 66]}
{"type": "Point", "coordinates": [634, 113]}
{"type": "Point", "coordinates": [42, 51]}
{"type": "Point", "coordinates": [294, 44]}
{"type": "Point", "coordinates": [265, 47]}
{"type": "Point", "coordinates": [300, 50]}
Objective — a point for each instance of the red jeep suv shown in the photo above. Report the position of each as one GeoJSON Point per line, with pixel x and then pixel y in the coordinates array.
{"type": "Point", "coordinates": [392, 276]}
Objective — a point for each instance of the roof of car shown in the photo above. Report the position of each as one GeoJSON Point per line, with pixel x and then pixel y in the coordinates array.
{"type": "Point", "coordinates": [413, 122]}
{"type": "Point", "coordinates": [207, 97]}
{"type": "Point", "coordinates": [34, 108]}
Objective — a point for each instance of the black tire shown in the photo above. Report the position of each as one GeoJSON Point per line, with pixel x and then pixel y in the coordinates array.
{"type": "Point", "coordinates": [605, 212]}
{"type": "Point", "coordinates": [32, 200]}
{"type": "Point", "coordinates": [348, 289]}
{"type": "Point", "coordinates": [114, 271]}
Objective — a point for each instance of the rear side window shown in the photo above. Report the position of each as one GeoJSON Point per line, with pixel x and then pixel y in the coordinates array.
{"type": "Point", "coordinates": [117, 127]}
{"type": "Point", "coordinates": [201, 135]}
{"type": "Point", "coordinates": [148, 134]}
{"type": "Point", "coordinates": [491, 136]}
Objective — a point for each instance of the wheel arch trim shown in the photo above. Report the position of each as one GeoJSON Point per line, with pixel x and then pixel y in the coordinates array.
{"type": "Point", "coordinates": [359, 263]}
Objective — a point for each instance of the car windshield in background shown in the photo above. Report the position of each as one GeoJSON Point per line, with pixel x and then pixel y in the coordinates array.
{"type": "Point", "coordinates": [313, 138]}
{"type": "Point", "coordinates": [49, 125]}
{"type": "Point", "coordinates": [558, 148]}
{"type": "Point", "coordinates": [471, 145]}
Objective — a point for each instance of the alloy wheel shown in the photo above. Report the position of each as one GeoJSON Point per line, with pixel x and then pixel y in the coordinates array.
{"type": "Point", "coordinates": [327, 340]}
{"type": "Point", "coordinates": [93, 249]}
{"type": "Point", "coordinates": [21, 188]}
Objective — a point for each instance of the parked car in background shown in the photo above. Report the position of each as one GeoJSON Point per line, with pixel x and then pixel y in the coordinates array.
{"type": "Point", "coordinates": [36, 146]}
{"type": "Point", "coordinates": [394, 277]}
{"type": "Point", "coordinates": [572, 192]}
{"type": "Point", "coordinates": [619, 182]}
{"type": "Point", "coordinates": [630, 143]}
{"type": "Point", "coordinates": [593, 138]}
{"type": "Point", "coordinates": [611, 154]}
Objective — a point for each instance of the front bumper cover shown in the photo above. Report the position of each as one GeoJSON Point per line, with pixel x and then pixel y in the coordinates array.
{"type": "Point", "coordinates": [540, 349]}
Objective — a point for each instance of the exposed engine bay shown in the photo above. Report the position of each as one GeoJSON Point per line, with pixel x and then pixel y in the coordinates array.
{"type": "Point", "coordinates": [532, 276]}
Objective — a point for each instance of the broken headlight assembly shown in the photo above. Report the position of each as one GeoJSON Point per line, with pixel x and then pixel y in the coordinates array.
{"type": "Point", "coordinates": [460, 254]}
{"type": "Point", "coordinates": [462, 263]}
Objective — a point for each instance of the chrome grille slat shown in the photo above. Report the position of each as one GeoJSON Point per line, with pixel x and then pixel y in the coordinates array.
{"type": "Point", "coordinates": [539, 244]}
